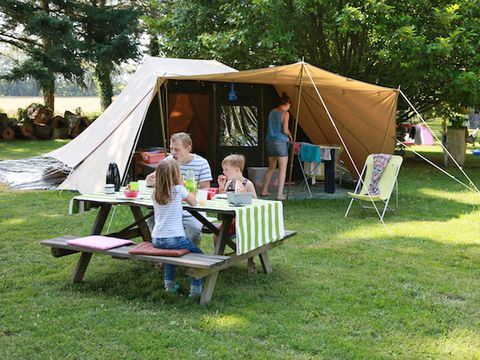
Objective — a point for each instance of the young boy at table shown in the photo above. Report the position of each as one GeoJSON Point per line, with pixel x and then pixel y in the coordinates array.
{"type": "Point", "coordinates": [168, 232]}
{"type": "Point", "coordinates": [232, 179]}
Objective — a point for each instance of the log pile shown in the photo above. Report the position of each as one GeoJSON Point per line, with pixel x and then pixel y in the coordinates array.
{"type": "Point", "coordinates": [7, 131]}
{"type": "Point", "coordinates": [76, 123]}
{"type": "Point", "coordinates": [38, 122]}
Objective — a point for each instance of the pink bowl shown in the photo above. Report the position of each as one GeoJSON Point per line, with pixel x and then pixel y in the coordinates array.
{"type": "Point", "coordinates": [212, 192]}
{"type": "Point", "coordinates": [131, 193]}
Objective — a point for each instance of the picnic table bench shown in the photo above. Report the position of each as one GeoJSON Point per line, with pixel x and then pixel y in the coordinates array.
{"type": "Point", "coordinates": [199, 265]}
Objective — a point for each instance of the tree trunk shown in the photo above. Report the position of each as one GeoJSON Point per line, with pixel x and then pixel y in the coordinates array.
{"type": "Point", "coordinates": [48, 92]}
{"type": "Point", "coordinates": [457, 144]}
{"type": "Point", "coordinates": [153, 46]}
{"type": "Point", "coordinates": [104, 84]}
{"type": "Point", "coordinates": [48, 86]}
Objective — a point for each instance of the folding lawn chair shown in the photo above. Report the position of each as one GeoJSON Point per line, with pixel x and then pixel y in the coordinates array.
{"type": "Point", "coordinates": [386, 183]}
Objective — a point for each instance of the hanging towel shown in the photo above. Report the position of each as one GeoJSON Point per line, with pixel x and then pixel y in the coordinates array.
{"type": "Point", "coordinates": [312, 170]}
{"type": "Point", "coordinates": [380, 161]}
{"type": "Point", "coordinates": [326, 155]}
{"type": "Point", "coordinates": [296, 148]}
{"type": "Point", "coordinates": [310, 153]}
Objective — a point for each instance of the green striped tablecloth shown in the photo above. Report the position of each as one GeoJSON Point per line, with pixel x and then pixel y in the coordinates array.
{"type": "Point", "coordinates": [257, 224]}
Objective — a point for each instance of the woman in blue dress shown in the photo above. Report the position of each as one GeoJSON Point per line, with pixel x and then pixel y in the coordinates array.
{"type": "Point", "coordinates": [278, 136]}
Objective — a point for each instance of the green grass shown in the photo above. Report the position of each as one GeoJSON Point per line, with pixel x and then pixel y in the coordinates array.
{"type": "Point", "coordinates": [340, 289]}
{"type": "Point", "coordinates": [19, 149]}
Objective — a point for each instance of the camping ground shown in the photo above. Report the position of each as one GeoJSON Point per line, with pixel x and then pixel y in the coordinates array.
{"type": "Point", "coordinates": [340, 289]}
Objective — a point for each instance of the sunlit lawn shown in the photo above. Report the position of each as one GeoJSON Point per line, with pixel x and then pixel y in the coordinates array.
{"type": "Point", "coordinates": [19, 149]}
{"type": "Point", "coordinates": [340, 289]}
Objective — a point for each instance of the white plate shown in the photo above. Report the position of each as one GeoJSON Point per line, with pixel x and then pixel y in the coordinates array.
{"type": "Point", "coordinates": [221, 196]}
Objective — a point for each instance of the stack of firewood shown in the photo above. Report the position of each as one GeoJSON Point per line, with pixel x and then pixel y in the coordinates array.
{"type": "Point", "coordinates": [38, 122]}
{"type": "Point", "coordinates": [7, 125]}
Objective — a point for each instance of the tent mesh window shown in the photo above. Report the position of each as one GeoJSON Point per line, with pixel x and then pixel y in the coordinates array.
{"type": "Point", "coordinates": [239, 125]}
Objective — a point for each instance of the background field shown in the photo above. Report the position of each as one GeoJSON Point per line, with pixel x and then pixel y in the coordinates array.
{"type": "Point", "coordinates": [10, 104]}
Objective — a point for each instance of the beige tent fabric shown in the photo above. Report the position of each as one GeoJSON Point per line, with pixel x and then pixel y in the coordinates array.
{"type": "Point", "coordinates": [363, 113]}
{"type": "Point", "coordinates": [112, 136]}
{"type": "Point", "coordinates": [89, 176]}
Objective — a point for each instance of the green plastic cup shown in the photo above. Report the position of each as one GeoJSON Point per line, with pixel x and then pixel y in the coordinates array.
{"type": "Point", "coordinates": [134, 186]}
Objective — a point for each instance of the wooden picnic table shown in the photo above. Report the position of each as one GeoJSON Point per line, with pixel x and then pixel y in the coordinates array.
{"type": "Point", "coordinates": [201, 265]}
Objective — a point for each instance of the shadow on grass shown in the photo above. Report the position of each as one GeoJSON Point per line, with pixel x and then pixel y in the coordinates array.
{"type": "Point", "coordinates": [137, 280]}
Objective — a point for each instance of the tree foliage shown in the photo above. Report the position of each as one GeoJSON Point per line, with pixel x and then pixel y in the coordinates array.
{"type": "Point", "coordinates": [42, 31]}
{"type": "Point", "coordinates": [109, 35]}
{"type": "Point", "coordinates": [429, 48]}
{"type": "Point", "coordinates": [61, 38]}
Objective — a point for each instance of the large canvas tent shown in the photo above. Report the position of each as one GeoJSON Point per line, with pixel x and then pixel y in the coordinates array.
{"type": "Point", "coordinates": [111, 137]}
{"type": "Point", "coordinates": [330, 109]}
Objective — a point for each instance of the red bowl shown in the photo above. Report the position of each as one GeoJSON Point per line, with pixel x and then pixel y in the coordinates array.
{"type": "Point", "coordinates": [211, 193]}
{"type": "Point", "coordinates": [131, 193]}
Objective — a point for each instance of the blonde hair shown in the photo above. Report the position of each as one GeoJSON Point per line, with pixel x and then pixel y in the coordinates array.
{"type": "Point", "coordinates": [167, 175]}
{"type": "Point", "coordinates": [235, 160]}
{"type": "Point", "coordinates": [185, 139]}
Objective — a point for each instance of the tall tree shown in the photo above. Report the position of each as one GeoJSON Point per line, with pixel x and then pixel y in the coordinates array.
{"type": "Point", "coordinates": [42, 31]}
{"type": "Point", "coordinates": [110, 35]}
{"type": "Point", "coordinates": [428, 47]}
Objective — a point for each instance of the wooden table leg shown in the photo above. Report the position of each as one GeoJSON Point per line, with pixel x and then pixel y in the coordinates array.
{"type": "Point", "coordinates": [223, 234]}
{"type": "Point", "coordinates": [85, 257]}
{"type": "Point", "coordinates": [208, 288]}
{"type": "Point", "coordinates": [81, 267]}
{"type": "Point", "coordinates": [101, 219]}
{"type": "Point", "coordinates": [142, 225]}
{"type": "Point", "coordinates": [267, 267]}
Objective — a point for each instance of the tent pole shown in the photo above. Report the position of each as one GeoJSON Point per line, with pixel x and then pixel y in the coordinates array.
{"type": "Point", "coordinates": [341, 139]}
{"type": "Point", "coordinates": [166, 114]}
{"type": "Point", "coordinates": [290, 160]}
{"type": "Point", "coordinates": [162, 119]}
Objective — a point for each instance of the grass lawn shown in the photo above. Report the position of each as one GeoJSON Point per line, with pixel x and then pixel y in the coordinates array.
{"type": "Point", "coordinates": [340, 289]}
{"type": "Point", "coordinates": [19, 149]}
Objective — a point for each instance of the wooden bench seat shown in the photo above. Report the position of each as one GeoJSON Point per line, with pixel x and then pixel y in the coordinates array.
{"type": "Point", "coordinates": [202, 261]}
{"type": "Point", "coordinates": [200, 265]}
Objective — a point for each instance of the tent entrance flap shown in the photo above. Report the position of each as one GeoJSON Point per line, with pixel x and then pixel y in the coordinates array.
{"type": "Point", "coordinates": [190, 113]}
{"type": "Point", "coordinates": [151, 134]}
{"type": "Point", "coordinates": [239, 123]}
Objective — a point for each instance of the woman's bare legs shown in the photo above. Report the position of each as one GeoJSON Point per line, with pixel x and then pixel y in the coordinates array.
{"type": "Point", "coordinates": [282, 164]}
{"type": "Point", "coordinates": [272, 164]}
